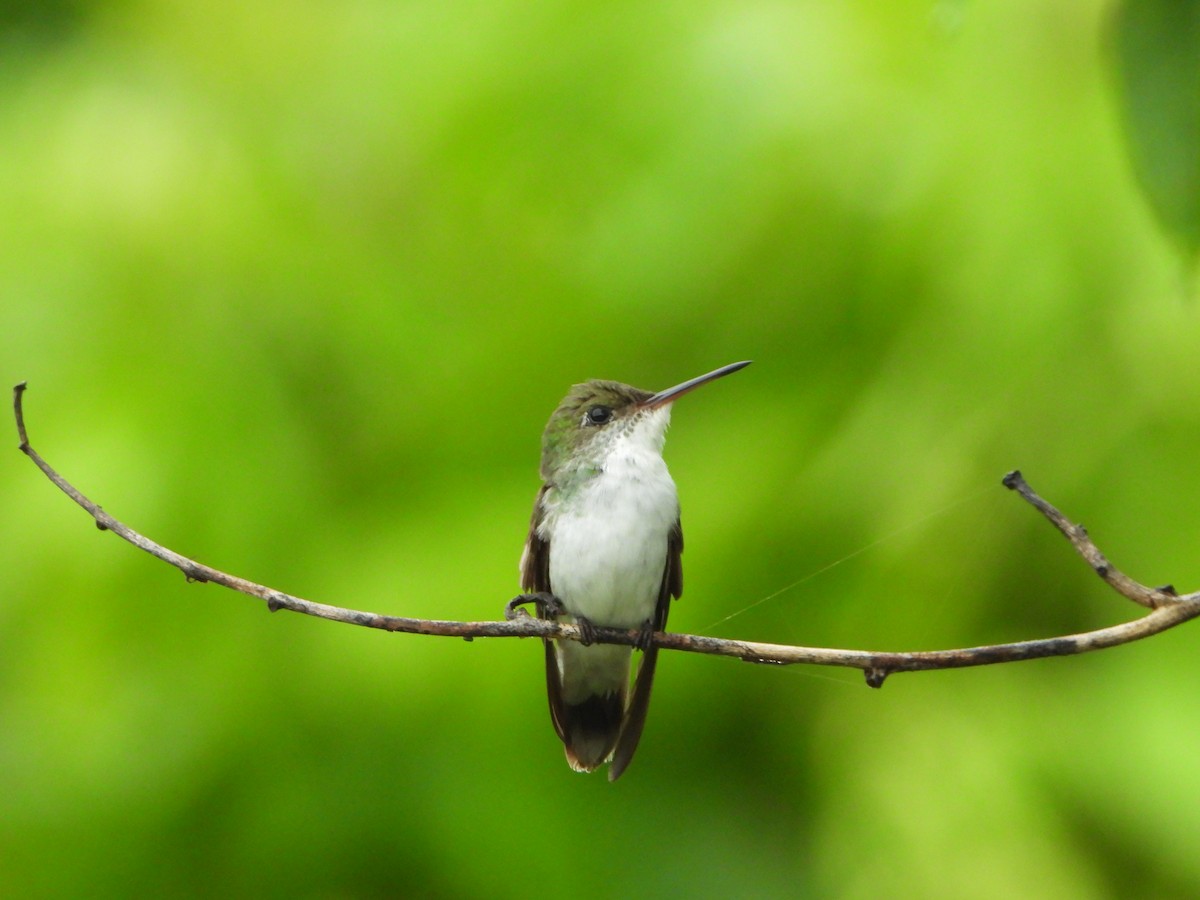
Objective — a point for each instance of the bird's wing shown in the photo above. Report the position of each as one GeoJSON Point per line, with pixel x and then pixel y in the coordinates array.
{"type": "Point", "coordinates": [635, 713]}
{"type": "Point", "coordinates": [535, 578]}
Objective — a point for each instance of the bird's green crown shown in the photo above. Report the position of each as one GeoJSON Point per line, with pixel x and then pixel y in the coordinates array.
{"type": "Point", "coordinates": [585, 418]}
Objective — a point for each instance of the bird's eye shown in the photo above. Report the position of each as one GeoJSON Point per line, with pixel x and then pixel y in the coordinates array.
{"type": "Point", "coordinates": [598, 415]}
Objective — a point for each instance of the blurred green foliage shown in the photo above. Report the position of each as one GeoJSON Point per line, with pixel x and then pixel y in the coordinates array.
{"type": "Point", "coordinates": [1158, 60]}
{"type": "Point", "coordinates": [295, 286]}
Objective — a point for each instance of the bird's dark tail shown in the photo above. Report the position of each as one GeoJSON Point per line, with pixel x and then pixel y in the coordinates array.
{"type": "Point", "coordinates": [590, 729]}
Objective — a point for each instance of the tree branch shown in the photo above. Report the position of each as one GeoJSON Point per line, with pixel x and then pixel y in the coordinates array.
{"type": "Point", "coordinates": [1167, 608]}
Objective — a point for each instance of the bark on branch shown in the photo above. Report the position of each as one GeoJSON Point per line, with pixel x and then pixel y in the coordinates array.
{"type": "Point", "coordinates": [1167, 608]}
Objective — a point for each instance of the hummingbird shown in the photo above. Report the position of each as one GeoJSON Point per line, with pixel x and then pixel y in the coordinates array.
{"type": "Point", "coordinates": [604, 549]}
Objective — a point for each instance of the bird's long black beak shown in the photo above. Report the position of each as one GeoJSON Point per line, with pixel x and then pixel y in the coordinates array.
{"type": "Point", "coordinates": [670, 395]}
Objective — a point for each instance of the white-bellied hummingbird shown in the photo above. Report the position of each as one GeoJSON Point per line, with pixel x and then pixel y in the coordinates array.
{"type": "Point", "coordinates": [603, 550]}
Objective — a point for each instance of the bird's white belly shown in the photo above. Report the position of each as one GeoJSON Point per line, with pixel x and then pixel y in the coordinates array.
{"type": "Point", "coordinates": [608, 545]}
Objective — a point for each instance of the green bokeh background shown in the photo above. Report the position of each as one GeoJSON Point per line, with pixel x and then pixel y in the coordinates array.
{"type": "Point", "coordinates": [295, 286]}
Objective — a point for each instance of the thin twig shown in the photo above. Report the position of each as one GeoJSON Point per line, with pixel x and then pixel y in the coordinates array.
{"type": "Point", "coordinates": [1167, 608]}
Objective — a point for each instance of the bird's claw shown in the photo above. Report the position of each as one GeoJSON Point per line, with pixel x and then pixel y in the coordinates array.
{"type": "Point", "coordinates": [548, 606]}
{"type": "Point", "coordinates": [513, 607]}
{"type": "Point", "coordinates": [513, 610]}
{"type": "Point", "coordinates": [645, 638]}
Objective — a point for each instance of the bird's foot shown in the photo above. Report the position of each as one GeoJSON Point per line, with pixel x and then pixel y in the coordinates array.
{"type": "Point", "coordinates": [513, 610]}
{"type": "Point", "coordinates": [645, 638]}
{"type": "Point", "coordinates": [587, 631]}
{"type": "Point", "coordinates": [548, 606]}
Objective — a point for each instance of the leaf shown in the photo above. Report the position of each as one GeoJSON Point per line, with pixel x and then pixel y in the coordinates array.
{"type": "Point", "coordinates": [1157, 46]}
